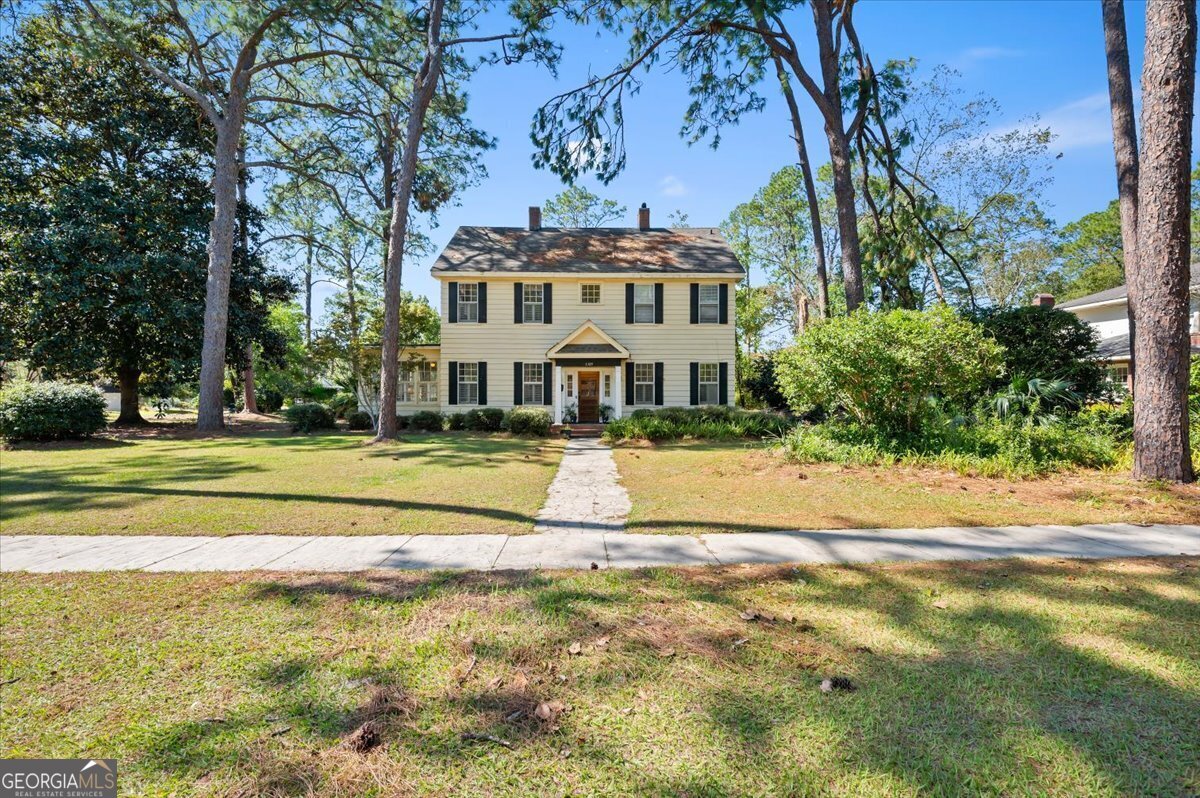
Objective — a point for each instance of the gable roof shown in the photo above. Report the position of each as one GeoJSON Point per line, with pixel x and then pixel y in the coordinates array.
{"type": "Point", "coordinates": [1118, 293]}
{"type": "Point", "coordinates": [588, 250]}
{"type": "Point", "coordinates": [582, 341]}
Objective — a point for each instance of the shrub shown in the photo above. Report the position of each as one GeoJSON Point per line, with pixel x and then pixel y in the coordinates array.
{"type": "Point", "coordinates": [881, 369]}
{"type": "Point", "coordinates": [984, 446]}
{"type": "Point", "coordinates": [310, 416]}
{"type": "Point", "coordinates": [484, 419]}
{"type": "Point", "coordinates": [1046, 343]}
{"type": "Point", "coordinates": [427, 421]}
{"type": "Point", "coordinates": [527, 421]}
{"type": "Point", "coordinates": [402, 422]}
{"type": "Point", "coordinates": [343, 404]}
{"type": "Point", "coordinates": [710, 423]}
{"type": "Point", "coordinates": [759, 383]}
{"type": "Point", "coordinates": [269, 400]}
{"type": "Point", "coordinates": [43, 411]}
{"type": "Point", "coordinates": [359, 420]}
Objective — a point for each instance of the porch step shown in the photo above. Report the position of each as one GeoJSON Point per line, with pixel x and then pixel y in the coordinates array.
{"type": "Point", "coordinates": [579, 430]}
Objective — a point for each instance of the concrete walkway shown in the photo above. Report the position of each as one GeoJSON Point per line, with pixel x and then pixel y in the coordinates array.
{"type": "Point", "coordinates": [586, 494]}
{"type": "Point", "coordinates": [584, 549]}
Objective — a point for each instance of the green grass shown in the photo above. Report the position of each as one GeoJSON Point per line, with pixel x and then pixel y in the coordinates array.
{"type": "Point", "coordinates": [698, 487]}
{"type": "Point", "coordinates": [1058, 678]}
{"type": "Point", "coordinates": [268, 482]}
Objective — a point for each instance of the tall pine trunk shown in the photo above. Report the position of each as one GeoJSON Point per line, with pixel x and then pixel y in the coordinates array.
{"type": "Point", "coordinates": [127, 383]}
{"type": "Point", "coordinates": [211, 415]}
{"type": "Point", "coordinates": [424, 85]}
{"type": "Point", "coordinates": [810, 193]}
{"type": "Point", "coordinates": [249, 401]}
{"type": "Point", "coordinates": [1125, 146]}
{"type": "Point", "coordinates": [1158, 288]}
{"type": "Point", "coordinates": [839, 156]}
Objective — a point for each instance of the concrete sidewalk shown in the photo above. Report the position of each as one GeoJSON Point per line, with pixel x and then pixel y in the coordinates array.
{"type": "Point", "coordinates": [584, 549]}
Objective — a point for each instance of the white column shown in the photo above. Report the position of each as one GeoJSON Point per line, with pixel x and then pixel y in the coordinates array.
{"type": "Point", "coordinates": [617, 391]}
{"type": "Point", "coordinates": [558, 394]}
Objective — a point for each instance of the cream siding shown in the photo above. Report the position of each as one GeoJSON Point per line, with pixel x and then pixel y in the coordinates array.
{"type": "Point", "coordinates": [500, 342]}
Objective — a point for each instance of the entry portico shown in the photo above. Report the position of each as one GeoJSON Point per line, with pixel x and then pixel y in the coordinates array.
{"type": "Point", "coordinates": [588, 363]}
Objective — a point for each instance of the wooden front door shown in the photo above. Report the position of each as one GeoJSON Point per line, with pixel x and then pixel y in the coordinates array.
{"type": "Point", "coordinates": [589, 397]}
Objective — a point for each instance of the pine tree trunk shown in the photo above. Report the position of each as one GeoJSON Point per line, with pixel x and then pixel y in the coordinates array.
{"type": "Point", "coordinates": [424, 86]}
{"type": "Point", "coordinates": [211, 415]}
{"type": "Point", "coordinates": [1125, 146]}
{"type": "Point", "coordinates": [308, 292]}
{"type": "Point", "coordinates": [1158, 288]}
{"type": "Point", "coordinates": [839, 156]}
{"type": "Point", "coordinates": [250, 400]}
{"type": "Point", "coordinates": [127, 382]}
{"type": "Point", "coordinates": [810, 191]}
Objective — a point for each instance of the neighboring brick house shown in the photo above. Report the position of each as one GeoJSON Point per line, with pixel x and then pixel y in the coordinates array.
{"type": "Point", "coordinates": [590, 323]}
{"type": "Point", "coordinates": [1108, 313]}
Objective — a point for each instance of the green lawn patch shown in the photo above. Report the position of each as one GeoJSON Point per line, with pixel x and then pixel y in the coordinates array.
{"type": "Point", "coordinates": [267, 482]}
{"type": "Point", "coordinates": [1018, 678]}
{"type": "Point", "coordinates": [699, 487]}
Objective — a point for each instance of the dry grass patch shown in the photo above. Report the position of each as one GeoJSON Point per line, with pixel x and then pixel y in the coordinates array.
{"type": "Point", "coordinates": [1005, 677]}
{"type": "Point", "coordinates": [163, 480]}
{"type": "Point", "coordinates": [694, 488]}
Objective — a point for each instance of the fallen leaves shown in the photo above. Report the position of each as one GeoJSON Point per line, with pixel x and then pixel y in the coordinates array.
{"type": "Point", "coordinates": [548, 711]}
{"type": "Point", "coordinates": [365, 737]}
{"type": "Point", "coordinates": [574, 650]}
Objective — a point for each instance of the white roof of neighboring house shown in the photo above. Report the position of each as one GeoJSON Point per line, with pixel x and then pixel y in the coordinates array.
{"type": "Point", "coordinates": [1118, 294]}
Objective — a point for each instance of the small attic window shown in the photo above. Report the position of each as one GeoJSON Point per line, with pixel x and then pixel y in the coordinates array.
{"type": "Point", "coordinates": [589, 294]}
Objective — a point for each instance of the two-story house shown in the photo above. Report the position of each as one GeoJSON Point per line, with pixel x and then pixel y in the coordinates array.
{"type": "Point", "coordinates": [590, 323]}
{"type": "Point", "coordinates": [1108, 314]}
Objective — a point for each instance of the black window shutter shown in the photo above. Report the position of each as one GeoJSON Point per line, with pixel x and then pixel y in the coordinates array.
{"type": "Point", "coordinates": [658, 383]}
{"type": "Point", "coordinates": [629, 303]}
{"type": "Point", "coordinates": [452, 371]}
{"type": "Point", "coordinates": [723, 385]}
{"type": "Point", "coordinates": [482, 383]}
{"type": "Point", "coordinates": [547, 303]}
{"type": "Point", "coordinates": [629, 383]}
{"type": "Point", "coordinates": [483, 303]}
{"type": "Point", "coordinates": [518, 383]}
{"type": "Point", "coordinates": [547, 383]}
{"type": "Point", "coordinates": [658, 303]}
{"type": "Point", "coordinates": [695, 287]}
{"type": "Point", "coordinates": [724, 299]}
{"type": "Point", "coordinates": [518, 300]}
{"type": "Point", "coordinates": [453, 303]}
{"type": "Point", "coordinates": [695, 395]}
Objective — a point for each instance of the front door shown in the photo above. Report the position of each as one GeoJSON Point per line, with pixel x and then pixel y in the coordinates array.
{"type": "Point", "coordinates": [589, 397]}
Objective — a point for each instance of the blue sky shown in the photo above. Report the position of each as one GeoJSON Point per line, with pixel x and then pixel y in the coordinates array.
{"type": "Point", "coordinates": [1043, 58]}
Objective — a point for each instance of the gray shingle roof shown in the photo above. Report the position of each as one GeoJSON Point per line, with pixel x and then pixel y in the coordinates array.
{"type": "Point", "coordinates": [1117, 347]}
{"type": "Point", "coordinates": [588, 250]}
{"type": "Point", "coordinates": [587, 349]}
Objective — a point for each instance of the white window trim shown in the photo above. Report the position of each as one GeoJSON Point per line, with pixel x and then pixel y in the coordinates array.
{"type": "Point", "coordinates": [639, 382]}
{"type": "Point", "coordinates": [418, 383]}
{"type": "Point", "coordinates": [534, 388]}
{"type": "Point", "coordinates": [640, 288]}
{"type": "Point", "coordinates": [583, 300]}
{"type": "Point", "coordinates": [533, 310]}
{"type": "Point", "coordinates": [464, 304]}
{"type": "Point", "coordinates": [712, 305]}
{"type": "Point", "coordinates": [714, 383]}
{"type": "Point", "coordinates": [463, 383]}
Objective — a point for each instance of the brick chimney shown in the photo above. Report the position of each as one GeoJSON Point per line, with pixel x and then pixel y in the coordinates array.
{"type": "Point", "coordinates": [1195, 339]}
{"type": "Point", "coordinates": [644, 217]}
{"type": "Point", "coordinates": [535, 217]}
{"type": "Point", "coordinates": [1043, 301]}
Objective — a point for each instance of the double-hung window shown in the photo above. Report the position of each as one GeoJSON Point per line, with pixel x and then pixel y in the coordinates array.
{"type": "Point", "coordinates": [532, 385]}
{"type": "Point", "coordinates": [643, 304]}
{"type": "Point", "coordinates": [418, 382]}
{"type": "Point", "coordinates": [710, 304]}
{"type": "Point", "coordinates": [710, 379]}
{"type": "Point", "coordinates": [468, 383]}
{"type": "Point", "coordinates": [589, 294]}
{"type": "Point", "coordinates": [531, 303]}
{"type": "Point", "coordinates": [643, 383]}
{"type": "Point", "coordinates": [468, 302]}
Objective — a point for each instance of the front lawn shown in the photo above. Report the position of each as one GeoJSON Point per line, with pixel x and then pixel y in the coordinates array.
{"type": "Point", "coordinates": [164, 482]}
{"type": "Point", "coordinates": [1057, 678]}
{"type": "Point", "coordinates": [693, 488]}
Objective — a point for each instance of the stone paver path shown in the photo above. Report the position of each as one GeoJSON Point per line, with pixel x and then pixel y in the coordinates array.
{"type": "Point", "coordinates": [584, 549]}
{"type": "Point", "coordinates": [586, 494]}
